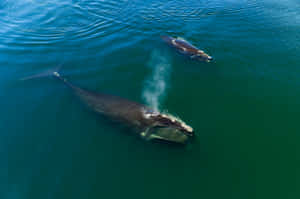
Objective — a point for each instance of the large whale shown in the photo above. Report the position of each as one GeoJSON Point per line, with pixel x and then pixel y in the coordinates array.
{"type": "Point", "coordinates": [145, 122]}
{"type": "Point", "coordinates": [185, 48]}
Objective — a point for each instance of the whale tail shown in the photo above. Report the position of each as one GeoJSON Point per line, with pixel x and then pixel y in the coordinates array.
{"type": "Point", "coordinates": [51, 73]}
{"type": "Point", "coordinates": [48, 73]}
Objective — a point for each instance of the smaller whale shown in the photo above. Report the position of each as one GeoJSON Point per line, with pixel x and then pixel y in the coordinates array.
{"type": "Point", "coordinates": [185, 48]}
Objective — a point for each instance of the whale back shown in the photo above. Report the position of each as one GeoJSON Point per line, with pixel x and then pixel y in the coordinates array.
{"type": "Point", "coordinates": [114, 107]}
{"type": "Point", "coordinates": [185, 45]}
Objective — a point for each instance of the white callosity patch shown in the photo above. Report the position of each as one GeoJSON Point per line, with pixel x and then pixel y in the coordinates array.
{"type": "Point", "coordinates": [151, 114]}
{"type": "Point", "coordinates": [156, 84]}
{"type": "Point", "coordinates": [174, 41]}
{"type": "Point", "coordinates": [56, 74]}
{"type": "Point", "coordinates": [182, 123]}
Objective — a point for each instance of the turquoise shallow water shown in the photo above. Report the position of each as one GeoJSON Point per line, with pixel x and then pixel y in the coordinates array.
{"type": "Point", "coordinates": [244, 106]}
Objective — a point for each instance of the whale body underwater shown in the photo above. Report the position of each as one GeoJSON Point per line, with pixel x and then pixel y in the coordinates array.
{"type": "Point", "coordinates": [146, 123]}
{"type": "Point", "coordinates": [187, 49]}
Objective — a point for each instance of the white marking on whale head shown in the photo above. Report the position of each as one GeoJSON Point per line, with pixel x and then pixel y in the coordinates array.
{"type": "Point", "coordinates": [56, 74]}
{"type": "Point", "coordinates": [182, 123]}
{"type": "Point", "coordinates": [174, 41]}
{"type": "Point", "coordinates": [148, 113]}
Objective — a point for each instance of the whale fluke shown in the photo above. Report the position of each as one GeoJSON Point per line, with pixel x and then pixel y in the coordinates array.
{"type": "Point", "coordinates": [47, 73]}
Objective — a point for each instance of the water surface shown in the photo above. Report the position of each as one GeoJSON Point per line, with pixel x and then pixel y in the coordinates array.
{"type": "Point", "coordinates": [244, 106]}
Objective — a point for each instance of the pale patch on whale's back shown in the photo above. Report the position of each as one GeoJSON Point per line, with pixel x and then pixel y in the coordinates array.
{"type": "Point", "coordinates": [185, 41]}
{"type": "Point", "coordinates": [182, 39]}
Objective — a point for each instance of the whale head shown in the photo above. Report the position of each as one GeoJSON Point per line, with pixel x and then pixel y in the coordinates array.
{"type": "Point", "coordinates": [202, 56]}
{"type": "Point", "coordinates": [165, 127]}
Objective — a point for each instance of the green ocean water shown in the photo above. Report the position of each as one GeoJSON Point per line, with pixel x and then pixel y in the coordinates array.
{"type": "Point", "coordinates": [244, 106]}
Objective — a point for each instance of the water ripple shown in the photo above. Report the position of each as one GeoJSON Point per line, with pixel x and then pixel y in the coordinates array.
{"type": "Point", "coordinates": [37, 23]}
